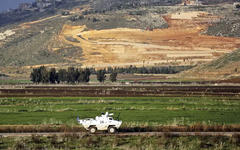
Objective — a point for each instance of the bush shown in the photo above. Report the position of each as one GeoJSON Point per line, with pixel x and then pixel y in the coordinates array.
{"type": "Point", "coordinates": [113, 77]}
{"type": "Point", "coordinates": [76, 17]}
{"type": "Point", "coordinates": [65, 13]}
{"type": "Point", "coordinates": [95, 19]}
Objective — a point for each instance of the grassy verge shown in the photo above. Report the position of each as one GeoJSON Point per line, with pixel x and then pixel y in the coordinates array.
{"type": "Point", "coordinates": [14, 82]}
{"type": "Point", "coordinates": [73, 141]}
{"type": "Point", "coordinates": [134, 111]}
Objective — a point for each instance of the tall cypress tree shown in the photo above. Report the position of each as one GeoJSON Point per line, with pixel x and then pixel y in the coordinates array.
{"type": "Point", "coordinates": [52, 75]}
{"type": "Point", "coordinates": [101, 77]}
{"type": "Point", "coordinates": [62, 75]}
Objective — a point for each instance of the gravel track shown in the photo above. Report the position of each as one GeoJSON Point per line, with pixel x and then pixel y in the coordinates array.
{"type": "Point", "coordinates": [124, 134]}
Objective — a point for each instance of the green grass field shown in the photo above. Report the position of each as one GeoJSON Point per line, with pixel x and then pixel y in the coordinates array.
{"type": "Point", "coordinates": [134, 111]}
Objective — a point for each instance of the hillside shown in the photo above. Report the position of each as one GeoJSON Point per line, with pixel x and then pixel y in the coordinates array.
{"type": "Point", "coordinates": [151, 33]}
{"type": "Point", "coordinates": [179, 44]}
{"type": "Point", "coordinates": [225, 61]}
{"type": "Point", "coordinates": [225, 67]}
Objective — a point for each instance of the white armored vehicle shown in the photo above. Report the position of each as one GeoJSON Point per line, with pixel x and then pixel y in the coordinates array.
{"type": "Point", "coordinates": [103, 123]}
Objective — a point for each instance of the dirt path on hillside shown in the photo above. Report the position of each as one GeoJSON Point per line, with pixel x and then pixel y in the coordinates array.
{"type": "Point", "coordinates": [180, 44]}
{"type": "Point", "coordinates": [27, 24]}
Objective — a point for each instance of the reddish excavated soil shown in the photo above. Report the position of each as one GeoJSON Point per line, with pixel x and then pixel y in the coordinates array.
{"type": "Point", "coordinates": [181, 43]}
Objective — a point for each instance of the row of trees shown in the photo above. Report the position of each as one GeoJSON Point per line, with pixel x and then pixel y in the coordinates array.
{"type": "Point", "coordinates": [144, 70]}
{"type": "Point", "coordinates": [70, 75]}
{"type": "Point", "coordinates": [76, 75]}
{"type": "Point", "coordinates": [149, 70]}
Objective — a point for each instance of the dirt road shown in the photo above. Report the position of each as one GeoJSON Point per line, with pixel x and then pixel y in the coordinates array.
{"type": "Point", "coordinates": [125, 134]}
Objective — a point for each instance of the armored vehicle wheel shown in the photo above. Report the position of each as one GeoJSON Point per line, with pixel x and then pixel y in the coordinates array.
{"type": "Point", "coordinates": [112, 130]}
{"type": "Point", "coordinates": [92, 129]}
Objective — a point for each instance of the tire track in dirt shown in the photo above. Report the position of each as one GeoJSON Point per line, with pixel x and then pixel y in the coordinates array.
{"type": "Point", "coordinates": [124, 134]}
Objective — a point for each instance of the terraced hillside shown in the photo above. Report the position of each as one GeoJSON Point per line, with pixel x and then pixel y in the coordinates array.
{"type": "Point", "coordinates": [180, 44]}
{"type": "Point", "coordinates": [149, 36]}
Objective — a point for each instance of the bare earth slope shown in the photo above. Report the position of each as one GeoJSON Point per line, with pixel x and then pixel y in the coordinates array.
{"type": "Point", "coordinates": [180, 44]}
{"type": "Point", "coordinates": [155, 36]}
